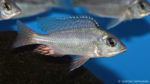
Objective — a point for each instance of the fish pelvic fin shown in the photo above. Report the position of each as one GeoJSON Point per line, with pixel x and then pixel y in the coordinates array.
{"type": "Point", "coordinates": [46, 50]}
{"type": "Point", "coordinates": [25, 35]}
{"type": "Point", "coordinates": [77, 62]}
{"type": "Point", "coordinates": [112, 24]}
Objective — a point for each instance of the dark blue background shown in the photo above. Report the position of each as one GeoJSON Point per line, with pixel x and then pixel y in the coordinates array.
{"type": "Point", "coordinates": [132, 65]}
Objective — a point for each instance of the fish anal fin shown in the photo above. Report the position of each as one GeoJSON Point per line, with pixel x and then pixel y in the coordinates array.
{"type": "Point", "coordinates": [77, 62]}
{"type": "Point", "coordinates": [46, 50]}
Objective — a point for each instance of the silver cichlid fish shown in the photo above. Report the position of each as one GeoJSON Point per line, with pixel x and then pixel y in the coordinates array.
{"type": "Point", "coordinates": [120, 9]}
{"type": "Point", "coordinates": [34, 7]}
{"type": "Point", "coordinates": [8, 9]}
{"type": "Point", "coordinates": [81, 37]}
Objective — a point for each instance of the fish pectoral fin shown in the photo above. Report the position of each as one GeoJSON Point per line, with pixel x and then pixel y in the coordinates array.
{"type": "Point", "coordinates": [46, 50]}
{"type": "Point", "coordinates": [114, 23]}
{"type": "Point", "coordinates": [77, 62]}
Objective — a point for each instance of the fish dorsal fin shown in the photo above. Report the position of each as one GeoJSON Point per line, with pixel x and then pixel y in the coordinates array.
{"type": "Point", "coordinates": [53, 24]}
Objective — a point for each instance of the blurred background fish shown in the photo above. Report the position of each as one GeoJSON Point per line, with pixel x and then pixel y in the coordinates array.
{"type": "Point", "coordinates": [34, 7]}
{"type": "Point", "coordinates": [119, 9]}
{"type": "Point", "coordinates": [8, 9]}
{"type": "Point", "coordinates": [86, 41]}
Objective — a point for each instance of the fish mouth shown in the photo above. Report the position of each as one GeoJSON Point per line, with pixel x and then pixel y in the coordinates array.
{"type": "Point", "coordinates": [18, 13]}
{"type": "Point", "coordinates": [145, 14]}
{"type": "Point", "coordinates": [123, 50]}
{"type": "Point", "coordinates": [116, 53]}
{"type": "Point", "coordinates": [13, 15]}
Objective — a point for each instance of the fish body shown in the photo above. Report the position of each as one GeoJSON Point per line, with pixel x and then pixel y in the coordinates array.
{"type": "Point", "coordinates": [73, 42]}
{"type": "Point", "coordinates": [104, 8]}
{"type": "Point", "coordinates": [34, 7]}
{"type": "Point", "coordinates": [84, 42]}
{"type": "Point", "coordinates": [118, 9]}
{"type": "Point", "coordinates": [8, 9]}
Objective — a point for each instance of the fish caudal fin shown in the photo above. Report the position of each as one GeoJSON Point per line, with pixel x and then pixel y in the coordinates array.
{"type": "Point", "coordinates": [25, 35]}
{"type": "Point", "coordinates": [77, 62]}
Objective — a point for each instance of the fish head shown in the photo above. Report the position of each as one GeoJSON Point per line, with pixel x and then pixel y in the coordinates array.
{"type": "Point", "coordinates": [140, 9]}
{"type": "Point", "coordinates": [108, 45]}
{"type": "Point", "coordinates": [8, 9]}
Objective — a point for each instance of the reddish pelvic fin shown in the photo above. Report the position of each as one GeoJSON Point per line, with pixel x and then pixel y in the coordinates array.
{"type": "Point", "coordinates": [46, 50]}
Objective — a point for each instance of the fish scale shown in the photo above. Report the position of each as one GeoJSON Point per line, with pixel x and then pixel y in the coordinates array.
{"type": "Point", "coordinates": [33, 1]}
{"type": "Point", "coordinates": [109, 8]}
{"type": "Point", "coordinates": [85, 42]}
{"type": "Point", "coordinates": [119, 10]}
{"type": "Point", "coordinates": [34, 7]}
{"type": "Point", "coordinates": [70, 41]}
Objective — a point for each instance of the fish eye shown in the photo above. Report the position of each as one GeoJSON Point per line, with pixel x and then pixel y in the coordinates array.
{"type": "Point", "coordinates": [111, 41]}
{"type": "Point", "coordinates": [7, 6]}
{"type": "Point", "coordinates": [142, 5]}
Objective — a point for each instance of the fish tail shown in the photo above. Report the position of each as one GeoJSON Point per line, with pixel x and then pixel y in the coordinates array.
{"type": "Point", "coordinates": [25, 35]}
